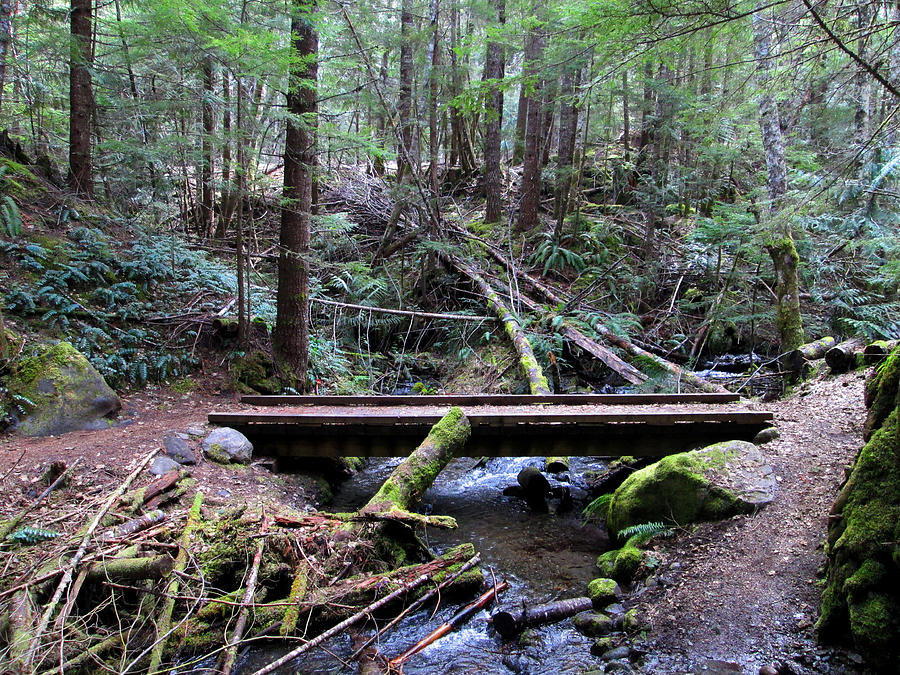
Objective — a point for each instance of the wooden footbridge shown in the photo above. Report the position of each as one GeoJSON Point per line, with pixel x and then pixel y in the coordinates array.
{"type": "Point", "coordinates": [502, 425]}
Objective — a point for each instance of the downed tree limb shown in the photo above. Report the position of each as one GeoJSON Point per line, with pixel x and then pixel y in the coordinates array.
{"type": "Point", "coordinates": [358, 651]}
{"type": "Point", "coordinates": [622, 368]}
{"type": "Point", "coordinates": [70, 567]}
{"type": "Point", "coordinates": [402, 312]}
{"type": "Point", "coordinates": [878, 351]}
{"type": "Point", "coordinates": [455, 622]}
{"type": "Point", "coordinates": [511, 622]}
{"type": "Point", "coordinates": [346, 623]}
{"type": "Point", "coordinates": [408, 482]}
{"type": "Point", "coordinates": [841, 357]}
{"type": "Point", "coordinates": [531, 369]}
{"type": "Point", "coordinates": [135, 525]}
{"type": "Point", "coordinates": [680, 373]}
{"type": "Point", "coordinates": [164, 620]}
{"type": "Point", "coordinates": [798, 359]}
{"type": "Point", "coordinates": [130, 569]}
{"type": "Point", "coordinates": [240, 626]}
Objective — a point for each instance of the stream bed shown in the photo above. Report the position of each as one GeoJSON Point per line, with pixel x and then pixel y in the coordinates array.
{"type": "Point", "coordinates": [543, 556]}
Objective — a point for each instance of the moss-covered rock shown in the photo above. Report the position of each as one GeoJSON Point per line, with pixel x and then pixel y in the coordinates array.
{"type": "Point", "coordinates": [254, 373]}
{"type": "Point", "coordinates": [881, 393]}
{"type": "Point", "coordinates": [603, 591]}
{"type": "Point", "coordinates": [593, 624]}
{"type": "Point", "coordinates": [861, 597]}
{"type": "Point", "coordinates": [716, 482]}
{"type": "Point", "coordinates": [63, 390]}
{"type": "Point", "coordinates": [621, 564]}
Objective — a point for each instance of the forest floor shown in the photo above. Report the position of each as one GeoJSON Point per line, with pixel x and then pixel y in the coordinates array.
{"type": "Point", "coordinates": [743, 594]}
{"type": "Point", "coordinates": [734, 596]}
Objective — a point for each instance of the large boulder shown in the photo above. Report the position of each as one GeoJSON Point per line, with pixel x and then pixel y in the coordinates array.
{"type": "Point", "coordinates": [861, 600]}
{"type": "Point", "coordinates": [227, 446]}
{"type": "Point", "coordinates": [716, 482]}
{"type": "Point", "coordinates": [60, 391]}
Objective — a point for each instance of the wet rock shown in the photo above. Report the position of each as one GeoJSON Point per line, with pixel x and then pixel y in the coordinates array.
{"type": "Point", "coordinates": [593, 624]}
{"type": "Point", "coordinates": [634, 621]}
{"type": "Point", "coordinates": [766, 436]}
{"type": "Point", "coordinates": [616, 653]}
{"type": "Point", "coordinates": [618, 666]}
{"type": "Point", "coordinates": [227, 445]}
{"type": "Point", "coordinates": [714, 483]}
{"type": "Point", "coordinates": [65, 391]}
{"type": "Point", "coordinates": [615, 609]}
{"type": "Point", "coordinates": [603, 645]}
{"type": "Point", "coordinates": [621, 564]}
{"type": "Point", "coordinates": [163, 465]}
{"type": "Point", "coordinates": [178, 448]}
{"type": "Point", "coordinates": [603, 591]}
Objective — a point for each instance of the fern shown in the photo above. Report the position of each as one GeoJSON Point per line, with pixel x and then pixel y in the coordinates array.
{"type": "Point", "coordinates": [10, 217]}
{"type": "Point", "coordinates": [643, 532]}
{"type": "Point", "coordinates": [597, 509]}
{"type": "Point", "coordinates": [32, 535]}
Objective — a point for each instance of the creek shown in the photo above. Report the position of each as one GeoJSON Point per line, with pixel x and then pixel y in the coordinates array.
{"type": "Point", "coordinates": [543, 556]}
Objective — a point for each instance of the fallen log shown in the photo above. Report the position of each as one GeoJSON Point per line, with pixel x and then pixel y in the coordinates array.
{"type": "Point", "coordinates": [680, 373]}
{"type": "Point", "coordinates": [455, 622]}
{"type": "Point", "coordinates": [134, 525]}
{"type": "Point", "coordinates": [798, 359]}
{"type": "Point", "coordinates": [622, 368]}
{"type": "Point", "coordinates": [878, 351]}
{"type": "Point", "coordinates": [130, 569]}
{"type": "Point", "coordinates": [842, 356]}
{"type": "Point", "coordinates": [408, 482]}
{"type": "Point", "coordinates": [511, 622]}
{"type": "Point", "coordinates": [531, 369]}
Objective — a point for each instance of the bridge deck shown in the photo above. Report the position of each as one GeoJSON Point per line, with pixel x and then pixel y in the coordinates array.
{"type": "Point", "coordinates": [522, 428]}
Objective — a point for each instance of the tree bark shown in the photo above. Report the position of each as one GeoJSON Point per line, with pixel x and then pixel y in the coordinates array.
{"type": "Point", "coordinates": [513, 621]}
{"type": "Point", "coordinates": [290, 339]}
{"type": "Point", "coordinates": [6, 10]}
{"type": "Point", "coordinates": [494, 66]}
{"type": "Point", "coordinates": [841, 357]}
{"type": "Point", "coordinates": [207, 161]}
{"type": "Point", "coordinates": [414, 475]}
{"type": "Point", "coordinates": [781, 248]}
{"type": "Point", "coordinates": [568, 129]}
{"type": "Point", "coordinates": [531, 369]}
{"type": "Point", "coordinates": [404, 104]}
{"type": "Point", "coordinates": [81, 99]}
{"type": "Point", "coordinates": [530, 187]}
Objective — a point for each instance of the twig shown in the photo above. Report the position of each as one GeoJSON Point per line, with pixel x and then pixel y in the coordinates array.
{"type": "Point", "coordinates": [76, 559]}
{"type": "Point", "coordinates": [246, 601]}
{"type": "Point", "coordinates": [341, 626]}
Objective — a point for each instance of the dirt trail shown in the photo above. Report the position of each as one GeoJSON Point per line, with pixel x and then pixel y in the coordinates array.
{"type": "Point", "coordinates": [743, 594]}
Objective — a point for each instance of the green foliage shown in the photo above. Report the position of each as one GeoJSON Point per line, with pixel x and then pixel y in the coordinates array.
{"type": "Point", "coordinates": [10, 218]}
{"type": "Point", "coordinates": [32, 535]}
{"type": "Point", "coordinates": [597, 509]}
{"type": "Point", "coordinates": [641, 533]}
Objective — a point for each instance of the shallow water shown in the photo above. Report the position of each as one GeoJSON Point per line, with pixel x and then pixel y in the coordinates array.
{"type": "Point", "coordinates": [543, 556]}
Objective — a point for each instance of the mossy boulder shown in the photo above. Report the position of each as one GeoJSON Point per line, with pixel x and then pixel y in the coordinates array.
{"type": "Point", "coordinates": [593, 624]}
{"type": "Point", "coordinates": [621, 564]}
{"type": "Point", "coordinates": [881, 393]}
{"type": "Point", "coordinates": [716, 482]}
{"type": "Point", "coordinates": [254, 373]}
{"type": "Point", "coordinates": [862, 598]}
{"type": "Point", "coordinates": [63, 390]}
{"type": "Point", "coordinates": [603, 591]}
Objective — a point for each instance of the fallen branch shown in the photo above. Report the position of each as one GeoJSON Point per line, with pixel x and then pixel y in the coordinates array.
{"type": "Point", "coordinates": [840, 358]}
{"type": "Point", "coordinates": [294, 653]}
{"type": "Point", "coordinates": [510, 622]}
{"type": "Point", "coordinates": [402, 312]}
{"type": "Point", "coordinates": [456, 621]}
{"type": "Point", "coordinates": [798, 359]}
{"type": "Point", "coordinates": [76, 559]}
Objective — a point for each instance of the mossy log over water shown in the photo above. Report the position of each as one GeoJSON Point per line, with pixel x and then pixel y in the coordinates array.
{"type": "Point", "coordinates": [861, 598]}
{"type": "Point", "coordinates": [408, 482]}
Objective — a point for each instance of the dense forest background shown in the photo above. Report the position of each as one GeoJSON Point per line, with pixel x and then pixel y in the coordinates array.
{"type": "Point", "coordinates": [708, 177]}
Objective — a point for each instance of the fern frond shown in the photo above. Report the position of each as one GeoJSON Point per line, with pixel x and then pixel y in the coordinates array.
{"type": "Point", "coordinates": [32, 535]}
{"type": "Point", "coordinates": [597, 509]}
{"type": "Point", "coordinates": [643, 532]}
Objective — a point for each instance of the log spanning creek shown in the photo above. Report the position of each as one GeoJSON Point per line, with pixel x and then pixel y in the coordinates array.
{"type": "Point", "coordinates": [544, 554]}
{"type": "Point", "coordinates": [544, 557]}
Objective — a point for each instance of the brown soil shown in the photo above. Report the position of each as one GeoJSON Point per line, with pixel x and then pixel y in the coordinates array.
{"type": "Point", "coordinates": [743, 594]}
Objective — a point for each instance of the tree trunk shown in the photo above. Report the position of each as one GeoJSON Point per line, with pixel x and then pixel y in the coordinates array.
{"type": "Point", "coordinates": [530, 187]}
{"type": "Point", "coordinates": [493, 121]}
{"type": "Point", "coordinates": [842, 357]}
{"type": "Point", "coordinates": [781, 248]}
{"type": "Point", "coordinates": [226, 207]}
{"type": "Point", "coordinates": [6, 10]}
{"type": "Point", "coordinates": [568, 128]}
{"type": "Point", "coordinates": [513, 621]}
{"type": "Point", "coordinates": [81, 99]}
{"type": "Point", "coordinates": [207, 161]}
{"type": "Point", "coordinates": [434, 60]}
{"type": "Point", "coordinates": [414, 475]}
{"type": "Point", "coordinates": [290, 339]}
{"type": "Point", "coordinates": [404, 104]}
{"type": "Point", "coordinates": [531, 369]}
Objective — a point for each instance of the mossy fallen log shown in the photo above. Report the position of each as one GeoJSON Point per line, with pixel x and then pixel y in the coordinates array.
{"type": "Point", "coordinates": [408, 482]}
{"type": "Point", "coordinates": [876, 352]}
{"type": "Point", "coordinates": [797, 360]}
{"type": "Point", "coordinates": [842, 357]}
{"type": "Point", "coordinates": [130, 569]}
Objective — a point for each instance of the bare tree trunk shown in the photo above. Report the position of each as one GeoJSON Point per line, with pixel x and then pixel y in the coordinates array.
{"type": "Point", "coordinates": [568, 129]}
{"type": "Point", "coordinates": [207, 161]}
{"type": "Point", "coordinates": [226, 208]}
{"type": "Point", "coordinates": [781, 247]}
{"type": "Point", "coordinates": [6, 10]}
{"type": "Point", "coordinates": [81, 99]}
{"type": "Point", "coordinates": [291, 336]}
{"type": "Point", "coordinates": [530, 187]}
{"type": "Point", "coordinates": [404, 105]}
{"type": "Point", "coordinates": [493, 121]}
{"type": "Point", "coordinates": [434, 60]}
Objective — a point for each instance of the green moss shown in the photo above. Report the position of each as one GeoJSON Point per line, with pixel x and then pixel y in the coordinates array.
{"type": "Point", "coordinates": [874, 624]}
{"type": "Point", "coordinates": [634, 621]}
{"type": "Point", "coordinates": [255, 373]}
{"type": "Point", "coordinates": [603, 591]}
{"type": "Point", "coordinates": [593, 624]}
{"type": "Point", "coordinates": [881, 393]}
{"type": "Point", "coordinates": [621, 564]}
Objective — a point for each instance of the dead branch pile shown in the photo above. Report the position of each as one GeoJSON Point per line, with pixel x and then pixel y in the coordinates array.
{"type": "Point", "coordinates": [365, 198]}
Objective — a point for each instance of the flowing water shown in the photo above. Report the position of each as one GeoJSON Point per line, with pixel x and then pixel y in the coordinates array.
{"type": "Point", "coordinates": [544, 557]}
